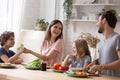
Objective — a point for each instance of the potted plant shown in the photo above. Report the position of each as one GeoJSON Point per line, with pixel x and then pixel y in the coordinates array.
{"type": "Point", "coordinates": [41, 24]}
{"type": "Point", "coordinates": [113, 11]}
{"type": "Point", "coordinates": [68, 9]}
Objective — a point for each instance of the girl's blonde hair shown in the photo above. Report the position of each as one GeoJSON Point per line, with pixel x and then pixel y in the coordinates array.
{"type": "Point", "coordinates": [81, 44]}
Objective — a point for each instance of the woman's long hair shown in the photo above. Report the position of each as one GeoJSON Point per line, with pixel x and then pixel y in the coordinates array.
{"type": "Point", "coordinates": [48, 32]}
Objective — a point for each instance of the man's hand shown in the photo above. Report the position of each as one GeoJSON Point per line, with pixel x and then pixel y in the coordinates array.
{"type": "Point", "coordinates": [91, 64]}
{"type": "Point", "coordinates": [95, 68]}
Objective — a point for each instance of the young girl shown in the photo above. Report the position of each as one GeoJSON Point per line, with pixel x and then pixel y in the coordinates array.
{"type": "Point", "coordinates": [6, 55]}
{"type": "Point", "coordinates": [81, 56]}
{"type": "Point", "coordinates": [52, 46]}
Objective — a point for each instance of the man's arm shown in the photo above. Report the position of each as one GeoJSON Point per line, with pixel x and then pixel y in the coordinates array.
{"type": "Point", "coordinates": [114, 65]}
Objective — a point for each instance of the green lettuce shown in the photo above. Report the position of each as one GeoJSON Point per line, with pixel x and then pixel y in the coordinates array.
{"type": "Point", "coordinates": [35, 64]}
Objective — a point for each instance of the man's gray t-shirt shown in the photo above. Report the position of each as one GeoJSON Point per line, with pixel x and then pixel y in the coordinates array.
{"type": "Point", "coordinates": [107, 50]}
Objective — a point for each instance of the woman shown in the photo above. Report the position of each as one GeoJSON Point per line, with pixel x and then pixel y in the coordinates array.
{"type": "Point", "coordinates": [52, 46]}
{"type": "Point", "coordinates": [6, 55]}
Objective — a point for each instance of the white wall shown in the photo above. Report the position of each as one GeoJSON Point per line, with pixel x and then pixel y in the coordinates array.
{"type": "Point", "coordinates": [31, 13]}
{"type": "Point", "coordinates": [47, 9]}
{"type": "Point", "coordinates": [35, 9]}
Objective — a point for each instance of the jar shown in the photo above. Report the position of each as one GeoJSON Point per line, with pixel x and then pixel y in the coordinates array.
{"type": "Point", "coordinates": [43, 66]}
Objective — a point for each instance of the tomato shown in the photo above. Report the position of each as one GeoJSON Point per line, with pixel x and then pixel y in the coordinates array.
{"type": "Point", "coordinates": [56, 66]}
{"type": "Point", "coordinates": [64, 68]}
{"type": "Point", "coordinates": [61, 68]}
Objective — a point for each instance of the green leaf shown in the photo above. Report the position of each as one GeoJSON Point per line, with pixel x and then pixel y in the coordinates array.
{"type": "Point", "coordinates": [68, 9]}
{"type": "Point", "coordinates": [34, 64]}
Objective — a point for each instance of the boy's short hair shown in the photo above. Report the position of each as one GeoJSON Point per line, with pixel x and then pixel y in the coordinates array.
{"type": "Point", "coordinates": [5, 36]}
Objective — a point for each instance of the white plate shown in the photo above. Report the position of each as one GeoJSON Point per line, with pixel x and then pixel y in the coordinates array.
{"type": "Point", "coordinates": [59, 71]}
{"type": "Point", "coordinates": [73, 75]}
{"type": "Point", "coordinates": [80, 76]}
{"type": "Point", "coordinates": [10, 66]}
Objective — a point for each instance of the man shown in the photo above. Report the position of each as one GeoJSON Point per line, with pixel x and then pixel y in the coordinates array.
{"type": "Point", "coordinates": [108, 62]}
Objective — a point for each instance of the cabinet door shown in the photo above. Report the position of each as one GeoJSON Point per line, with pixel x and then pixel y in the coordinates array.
{"type": "Point", "coordinates": [31, 40]}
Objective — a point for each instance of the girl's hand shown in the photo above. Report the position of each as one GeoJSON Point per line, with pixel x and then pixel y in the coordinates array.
{"type": "Point", "coordinates": [66, 61]}
{"type": "Point", "coordinates": [72, 56]}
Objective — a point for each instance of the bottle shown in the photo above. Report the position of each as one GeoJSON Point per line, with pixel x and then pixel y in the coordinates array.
{"type": "Point", "coordinates": [43, 66]}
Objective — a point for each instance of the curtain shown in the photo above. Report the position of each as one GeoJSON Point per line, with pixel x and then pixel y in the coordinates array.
{"type": "Point", "coordinates": [3, 13]}
{"type": "Point", "coordinates": [11, 16]}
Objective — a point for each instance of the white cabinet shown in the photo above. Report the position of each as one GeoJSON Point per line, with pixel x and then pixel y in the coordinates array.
{"type": "Point", "coordinates": [32, 40]}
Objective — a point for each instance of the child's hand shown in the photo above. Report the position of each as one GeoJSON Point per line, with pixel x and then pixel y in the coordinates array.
{"type": "Point", "coordinates": [19, 61]}
{"type": "Point", "coordinates": [21, 46]}
{"type": "Point", "coordinates": [72, 56]}
{"type": "Point", "coordinates": [20, 51]}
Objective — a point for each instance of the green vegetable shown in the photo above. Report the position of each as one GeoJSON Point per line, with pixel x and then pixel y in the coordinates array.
{"type": "Point", "coordinates": [20, 47]}
{"type": "Point", "coordinates": [35, 64]}
{"type": "Point", "coordinates": [80, 70]}
{"type": "Point", "coordinates": [71, 72]}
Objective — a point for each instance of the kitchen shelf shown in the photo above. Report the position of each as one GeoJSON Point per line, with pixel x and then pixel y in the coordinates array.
{"type": "Point", "coordinates": [79, 20]}
{"type": "Point", "coordinates": [74, 21]}
{"type": "Point", "coordinates": [79, 4]}
{"type": "Point", "coordinates": [89, 11]}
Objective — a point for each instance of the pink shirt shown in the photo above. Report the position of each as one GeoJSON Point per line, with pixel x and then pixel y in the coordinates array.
{"type": "Point", "coordinates": [58, 46]}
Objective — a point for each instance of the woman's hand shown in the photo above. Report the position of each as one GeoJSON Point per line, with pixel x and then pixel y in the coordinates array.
{"type": "Point", "coordinates": [27, 50]}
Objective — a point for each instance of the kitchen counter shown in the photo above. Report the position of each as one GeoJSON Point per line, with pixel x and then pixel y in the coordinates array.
{"type": "Point", "coordinates": [20, 73]}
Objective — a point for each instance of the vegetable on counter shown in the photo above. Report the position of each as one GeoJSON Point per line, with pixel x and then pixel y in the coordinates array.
{"type": "Point", "coordinates": [58, 66]}
{"type": "Point", "coordinates": [71, 72]}
{"type": "Point", "coordinates": [21, 46]}
{"type": "Point", "coordinates": [35, 64]}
